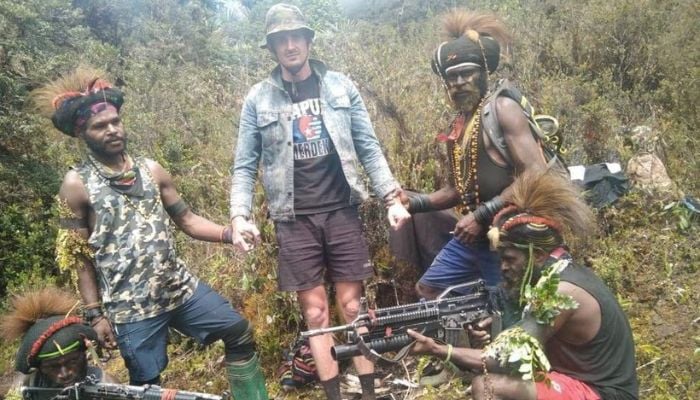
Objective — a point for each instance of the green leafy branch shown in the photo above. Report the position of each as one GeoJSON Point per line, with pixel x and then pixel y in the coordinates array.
{"type": "Point", "coordinates": [515, 348]}
{"type": "Point", "coordinates": [544, 303]}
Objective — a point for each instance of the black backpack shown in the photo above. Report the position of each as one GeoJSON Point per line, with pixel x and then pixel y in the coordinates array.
{"type": "Point", "coordinates": [544, 128]}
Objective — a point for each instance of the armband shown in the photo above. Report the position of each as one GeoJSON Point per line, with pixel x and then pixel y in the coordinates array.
{"type": "Point", "coordinates": [72, 223]}
{"type": "Point", "coordinates": [419, 203]}
{"type": "Point", "coordinates": [177, 208]}
{"type": "Point", "coordinates": [486, 211]}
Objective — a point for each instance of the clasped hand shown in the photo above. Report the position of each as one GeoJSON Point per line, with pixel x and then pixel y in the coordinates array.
{"type": "Point", "coordinates": [245, 235]}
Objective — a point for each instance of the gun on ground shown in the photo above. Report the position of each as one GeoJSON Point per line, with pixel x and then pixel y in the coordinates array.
{"type": "Point", "coordinates": [445, 319]}
{"type": "Point", "coordinates": [90, 389]}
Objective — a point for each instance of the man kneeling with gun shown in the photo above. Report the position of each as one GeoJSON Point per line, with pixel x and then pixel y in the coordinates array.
{"type": "Point", "coordinates": [446, 319]}
{"type": "Point", "coordinates": [52, 356]}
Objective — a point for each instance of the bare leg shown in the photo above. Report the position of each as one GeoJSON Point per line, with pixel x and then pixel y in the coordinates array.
{"type": "Point", "coordinates": [314, 307]}
{"type": "Point", "coordinates": [348, 298]}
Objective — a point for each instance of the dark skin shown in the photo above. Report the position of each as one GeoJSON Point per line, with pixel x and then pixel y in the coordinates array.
{"type": "Point", "coordinates": [522, 147]}
{"type": "Point", "coordinates": [66, 370]}
{"type": "Point", "coordinates": [578, 326]}
{"type": "Point", "coordinates": [106, 138]}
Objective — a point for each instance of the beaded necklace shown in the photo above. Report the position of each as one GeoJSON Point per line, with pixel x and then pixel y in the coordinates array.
{"type": "Point", "coordinates": [470, 139]}
{"type": "Point", "coordinates": [108, 176]}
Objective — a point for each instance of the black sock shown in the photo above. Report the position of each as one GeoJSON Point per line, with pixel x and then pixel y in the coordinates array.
{"type": "Point", "coordinates": [367, 383]}
{"type": "Point", "coordinates": [332, 388]}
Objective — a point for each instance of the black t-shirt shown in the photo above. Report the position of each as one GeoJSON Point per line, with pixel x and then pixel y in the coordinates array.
{"type": "Point", "coordinates": [319, 182]}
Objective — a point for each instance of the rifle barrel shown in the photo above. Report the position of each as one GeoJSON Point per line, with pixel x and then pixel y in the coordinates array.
{"type": "Point", "coordinates": [323, 331]}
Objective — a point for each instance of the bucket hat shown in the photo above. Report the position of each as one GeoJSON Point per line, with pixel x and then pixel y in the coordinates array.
{"type": "Point", "coordinates": [283, 18]}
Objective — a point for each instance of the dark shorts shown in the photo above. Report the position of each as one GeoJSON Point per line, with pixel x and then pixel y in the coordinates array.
{"type": "Point", "coordinates": [317, 246]}
{"type": "Point", "coordinates": [457, 263]}
{"type": "Point", "coordinates": [143, 344]}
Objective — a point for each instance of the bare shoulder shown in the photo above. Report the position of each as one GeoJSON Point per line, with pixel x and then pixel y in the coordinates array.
{"type": "Point", "coordinates": [509, 111]}
{"type": "Point", "coordinates": [577, 292]}
{"type": "Point", "coordinates": [506, 104]}
{"type": "Point", "coordinates": [73, 190]}
{"type": "Point", "coordinates": [583, 322]}
{"type": "Point", "coordinates": [159, 173]}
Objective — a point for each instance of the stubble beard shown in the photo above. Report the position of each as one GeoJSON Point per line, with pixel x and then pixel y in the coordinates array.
{"type": "Point", "coordinates": [468, 104]}
{"type": "Point", "coordinates": [293, 70]}
{"type": "Point", "coordinates": [100, 151]}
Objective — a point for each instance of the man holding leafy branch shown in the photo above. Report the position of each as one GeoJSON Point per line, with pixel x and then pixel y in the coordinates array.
{"type": "Point", "coordinates": [574, 340]}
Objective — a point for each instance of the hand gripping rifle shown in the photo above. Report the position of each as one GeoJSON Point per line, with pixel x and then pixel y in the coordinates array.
{"type": "Point", "coordinates": [90, 389]}
{"type": "Point", "coordinates": [445, 319]}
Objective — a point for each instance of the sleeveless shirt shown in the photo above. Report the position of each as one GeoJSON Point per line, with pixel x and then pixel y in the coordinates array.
{"type": "Point", "coordinates": [491, 177]}
{"type": "Point", "coordinates": [607, 362]}
{"type": "Point", "coordinates": [138, 271]}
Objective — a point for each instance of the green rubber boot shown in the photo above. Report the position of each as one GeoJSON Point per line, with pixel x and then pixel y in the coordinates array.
{"type": "Point", "coordinates": [246, 379]}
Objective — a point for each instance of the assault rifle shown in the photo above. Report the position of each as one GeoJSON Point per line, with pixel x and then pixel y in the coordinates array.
{"type": "Point", "coordinates": [90, 389]}
{"type": "Point", "coordinates": [445, 319]}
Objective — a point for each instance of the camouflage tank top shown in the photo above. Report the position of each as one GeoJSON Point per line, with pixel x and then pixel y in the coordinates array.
{"type": "Point", "coordinates": [138, 271]}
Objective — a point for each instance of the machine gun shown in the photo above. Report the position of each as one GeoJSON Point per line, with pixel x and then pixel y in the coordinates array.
{"type": "Point", "coordinates": [90, 389]}
{"type": "Point", "coordinates": [445, 319]}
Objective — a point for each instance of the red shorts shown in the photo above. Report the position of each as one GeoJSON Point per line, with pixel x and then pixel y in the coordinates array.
{"type": "Point", "coordinates": [564, 387]}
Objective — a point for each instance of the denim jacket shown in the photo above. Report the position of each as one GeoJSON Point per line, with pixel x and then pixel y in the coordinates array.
{"type": "Point", "coordinates": [265, 133]}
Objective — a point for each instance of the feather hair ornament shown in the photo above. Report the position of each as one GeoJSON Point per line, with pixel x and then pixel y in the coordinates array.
{"type": "Point", "coordinates": [474, 24]}
{"type": "Point", "coordinates": [27, 309]}
{"type": "Point", "coordinates": [68, 101]}
{"type": "Point", "coordinates": [547, 196]}
{"type": "Point", "coordinates": [84, 80]}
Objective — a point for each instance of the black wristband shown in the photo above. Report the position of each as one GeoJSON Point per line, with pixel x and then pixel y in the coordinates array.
{"type": "Point", "coordinates": [418, 203]}
{"type": "Point", "coordinates": [486, 211]}
{"type": "Point", "coordinates": [481, 215]}
{"type": "Point", "coordinates": [92, 313]}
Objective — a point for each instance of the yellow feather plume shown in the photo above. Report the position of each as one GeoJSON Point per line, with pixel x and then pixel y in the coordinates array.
{"type": "Point", "coordinates": [550, 195]}
{"type": "Point", "coordinates": [458, 23]}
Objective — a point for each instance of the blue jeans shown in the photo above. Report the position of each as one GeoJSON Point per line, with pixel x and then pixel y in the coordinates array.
{"type": "Point", "coordinates": [143, 344]}
{"type": "Point", "coordinates": [457, 263]}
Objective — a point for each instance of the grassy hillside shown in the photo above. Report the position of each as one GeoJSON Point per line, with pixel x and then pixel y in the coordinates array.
{"type": "Point", "coordinates": [602, 68]}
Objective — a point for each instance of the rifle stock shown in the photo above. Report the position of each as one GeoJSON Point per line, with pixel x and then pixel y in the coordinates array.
{"type": "Point", "coordinates": [444, 319]}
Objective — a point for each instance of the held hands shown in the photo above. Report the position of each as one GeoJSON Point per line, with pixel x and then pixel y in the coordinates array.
{"type": "Point", "coordinates": [467, 229]}
{"type": "Point", "coordinates": [397, 214]}
{"type": "Point", "coordinates": [245, 235]}
{"type": "Point", "coordinates": [396, 203]}
{"type": "Point", "coordinates": [105, 335]}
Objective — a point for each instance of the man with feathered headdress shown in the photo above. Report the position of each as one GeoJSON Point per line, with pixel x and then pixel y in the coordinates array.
{"type": "Point", "coordinates": [54, 340]}
{"type": "Point", "coordinates": [479, 173]}
{"type": "Point", "coordinates": [115, 236]}
{"type": "Point", "coordinates": [574, 340]}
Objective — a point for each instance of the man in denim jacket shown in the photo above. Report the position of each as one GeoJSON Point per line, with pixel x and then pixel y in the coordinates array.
{"type": "Point", "coordinates": [310, 128]}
